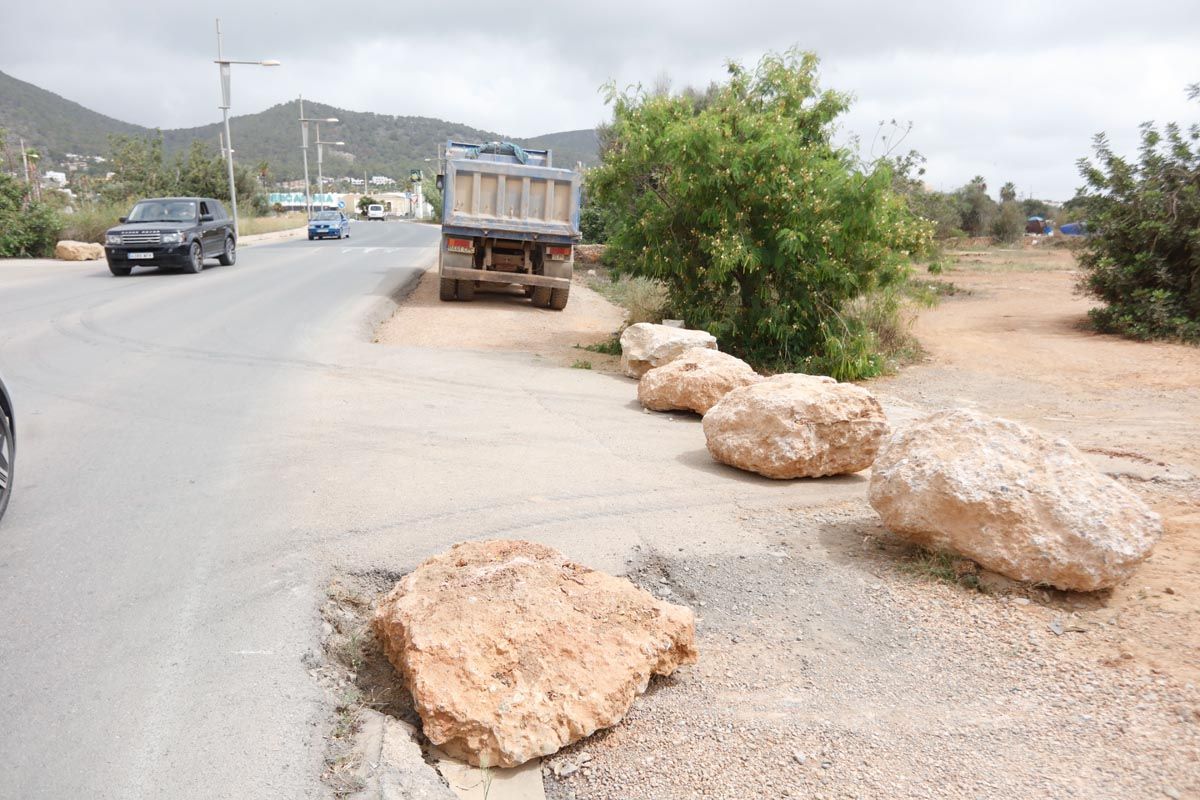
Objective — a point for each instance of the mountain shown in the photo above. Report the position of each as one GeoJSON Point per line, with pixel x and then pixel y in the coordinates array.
{"type": "Point", "coordinates": [54, 125]}
{"type": "Point", "coordinates": [375, 143]}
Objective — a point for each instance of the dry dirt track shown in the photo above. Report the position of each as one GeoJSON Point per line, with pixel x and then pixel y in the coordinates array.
{"type": "Point", "coordinates": [830, 667]}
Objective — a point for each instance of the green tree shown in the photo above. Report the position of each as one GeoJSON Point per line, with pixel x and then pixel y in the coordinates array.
{"type": "Point", "coordinates": [27, 228]}
{"type": "Point", "coordinates": [363, 202]}
{"type": "Point", "coordinates": [1142, 259]}
{"type": "Point", "coordinates": [1008, 192]}
{"type": "Point", "coordinates": [139, 169]}
{"type": "Point", "coordinates": [1009, 223]}
{"type": "Point", "coordinates": [978, 210]}
{"type": "Point", "coordinates": [762, 228]}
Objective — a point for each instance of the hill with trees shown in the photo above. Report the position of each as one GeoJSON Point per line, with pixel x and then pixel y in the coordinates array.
{"type": "Point", "coordinates": [375, 143]}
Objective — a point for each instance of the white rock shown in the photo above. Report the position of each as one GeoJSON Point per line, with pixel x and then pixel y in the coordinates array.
{"type": "Point", "coordinates": [70, 250]}
{"type": "Point", "coordinates": [646, 345]}
{"type": "Point", "coordinates": [1020, 502]}
{"type": "Point", "coordinates": [796, 426]}
{"type": "Point", "coordinates": [694, 381]}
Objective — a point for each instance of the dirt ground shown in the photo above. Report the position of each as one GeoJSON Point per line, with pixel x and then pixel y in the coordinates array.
{"type": "Point", "coordinates": [1015, 344]}
{"type": "Point", "coordinates": [836, 660]}
{"type": "Point", "coordinates": [503, 319]}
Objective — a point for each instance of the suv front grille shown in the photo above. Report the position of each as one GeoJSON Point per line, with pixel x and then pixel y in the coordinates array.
{"type": "Point", "coordinates": [141, 237]}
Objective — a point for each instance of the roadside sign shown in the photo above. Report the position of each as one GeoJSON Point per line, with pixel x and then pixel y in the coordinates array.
{"type": "Point", "coordinates": [341, 203]}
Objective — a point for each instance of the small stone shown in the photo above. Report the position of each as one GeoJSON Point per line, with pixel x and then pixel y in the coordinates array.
{"type": "Point", "coordinates": [1056, 627]}
{"type": "Point", "coordinates": [1021, 601]}
{"type": "Point", "coordinates": [800, 757]}
{"type": "Point", "coordinates": [1172, 793]}
{"type": "Point", "coordinates": [568, 770]}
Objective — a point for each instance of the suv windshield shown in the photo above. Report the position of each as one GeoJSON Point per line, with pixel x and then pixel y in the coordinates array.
{"type": "Point", "coordinates": [163, 211]}
{"type": "Point", "coordinates": [327, 215]}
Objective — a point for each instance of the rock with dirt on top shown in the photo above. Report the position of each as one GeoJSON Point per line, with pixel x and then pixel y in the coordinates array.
{"type": "Point", "coordinates": [1018, 501]}
{"type": "Point", "coordinates": [589, 253]}
{"type": "Point", "coordinates": [645, 346]}
{"type": "Point", "coordinates": [511, 651]}
{"type": "Point", "coordinates": [70, 250]}
{"type": "Point", "coordinates": [796, 426]}
{"type": "Point", "coordinates": [694, 381]}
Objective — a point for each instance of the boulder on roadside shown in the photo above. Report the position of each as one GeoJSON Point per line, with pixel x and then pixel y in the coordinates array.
{"type": "Point", "coordinates": [511, 651]}
{"type": "Point", "coordinates": [694, 381]}
{"type": "Point", "coordinates": [796, 426]}
{"type": "Point", "coordinates": [645, 346]}
{"type": "Point", "coordinates": [70, 250]}
{"type": "Point", "coordinates": [1018, 501]}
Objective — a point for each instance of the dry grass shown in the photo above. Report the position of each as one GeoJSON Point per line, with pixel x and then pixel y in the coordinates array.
{"type": "Point", "coordinates": [248, 226]}
{"type": "Point", "coordinates": [644, 299]}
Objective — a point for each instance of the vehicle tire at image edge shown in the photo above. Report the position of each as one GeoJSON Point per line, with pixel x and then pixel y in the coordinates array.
{"type": "Point", "coordinates": [466, 290]}
{"type": "Point", "coordinates": [8, 453]}
{"type": "Point", "coordinates": [447, 289]}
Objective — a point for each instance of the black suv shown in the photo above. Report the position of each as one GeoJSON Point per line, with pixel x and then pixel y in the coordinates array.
{"type": "Point", "coordinates": [171, 232]}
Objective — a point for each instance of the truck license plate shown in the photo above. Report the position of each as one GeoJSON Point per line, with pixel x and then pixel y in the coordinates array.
{"type": "Point", "coordinates": [141, 255]}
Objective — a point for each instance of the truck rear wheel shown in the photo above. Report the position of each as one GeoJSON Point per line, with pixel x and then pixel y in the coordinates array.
{"type": "Point", "coordinates": [541, 296]}
{"type": "Point", "coordinates": [558, 298]}
{"type": "Point", "coordinates": [446, 288]}
{"type": "Point", "coordinates": [466, 290]}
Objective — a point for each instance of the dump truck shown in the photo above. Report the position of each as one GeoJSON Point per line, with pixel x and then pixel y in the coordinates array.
{"type": "Point", "coordinates": [508, 217]}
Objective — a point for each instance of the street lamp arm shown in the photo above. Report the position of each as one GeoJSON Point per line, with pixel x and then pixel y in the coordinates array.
{"type": "Point", "coordinates": [268, 63]}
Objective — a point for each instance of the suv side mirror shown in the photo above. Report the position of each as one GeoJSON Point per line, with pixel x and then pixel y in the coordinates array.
{"type": "Point", "coordinates": [440, 180]}
{"type": "Point", "coordinates": [122, 220]}
{"type": "Point", "coordinates": [206, 217]}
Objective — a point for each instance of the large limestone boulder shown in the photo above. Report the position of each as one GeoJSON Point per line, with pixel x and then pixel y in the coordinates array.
{"type": "Point", "coordinates": [511, 651]}
{"type": "Point", "coordinates": [796, 426]}
{"type": "Point", "coordinates": [694, 381]}
{"type": "Point", "coordinates": [1019, 502]}
{"type": "Point", "coordinates": [646, 345]}
{"type": "Point", "coordinates": [70, 250]}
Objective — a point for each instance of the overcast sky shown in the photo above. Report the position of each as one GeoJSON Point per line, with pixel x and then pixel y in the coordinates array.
{"type": "Point", "coordinates": [1012, 91]}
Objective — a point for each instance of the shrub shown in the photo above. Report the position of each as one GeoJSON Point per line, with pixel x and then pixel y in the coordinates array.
{"type": "Point", "coordinates": [27, 229]}
{"type": "Point", "coordinates": [761, 228]}
{"type": "Point", "coordinates": [89, 222]}
{"type": "Point", "coordinates": [1142, 259]}
{"type": "Point", "coordinates": [1009, 224]}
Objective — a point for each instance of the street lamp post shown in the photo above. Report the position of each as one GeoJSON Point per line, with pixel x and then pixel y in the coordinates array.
{"type": "Point", "coordinates": [224, 65]}
{"type": "Point", "coordinates": [304, 145]}
{"type": "Point", "coordinates": [320, 174]}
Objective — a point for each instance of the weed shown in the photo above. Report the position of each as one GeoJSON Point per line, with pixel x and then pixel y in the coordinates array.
{"type": "Point", "coordinates": [644, 299]}
{"type": "Point", "coordinates": [943, 567]}
{"type": "Point", "coordinates": [611, 347]}
{"type": "Point", "coordinates": [580, 364]}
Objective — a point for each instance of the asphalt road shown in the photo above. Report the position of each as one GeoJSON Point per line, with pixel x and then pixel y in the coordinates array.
{"type": "Point", "coordinates": [156, 592]}
{"type": "Point", "coordinates": [200, 454]}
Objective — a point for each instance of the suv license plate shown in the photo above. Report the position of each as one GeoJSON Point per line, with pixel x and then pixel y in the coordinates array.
{"type": "Point", "coordinates": [141, 255]}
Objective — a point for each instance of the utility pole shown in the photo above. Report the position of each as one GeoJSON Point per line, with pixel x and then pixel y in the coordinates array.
{"type": "Point", "coordinates": [25, 162]}
{"type": "Point", "coordinates": [304, 149]}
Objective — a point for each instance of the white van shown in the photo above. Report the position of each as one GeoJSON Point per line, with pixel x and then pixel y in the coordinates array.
{"type": "Point", "coordinates": [374, 211]}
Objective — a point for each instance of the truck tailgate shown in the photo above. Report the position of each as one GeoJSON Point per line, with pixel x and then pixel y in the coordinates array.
{"type": "Point", "coordinates": [497, 198]}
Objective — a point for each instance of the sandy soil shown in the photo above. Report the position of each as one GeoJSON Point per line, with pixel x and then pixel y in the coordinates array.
{"type": "Point", "coordinates": [1015, 344]}
{"type": "Point", "coordinates": [833, 663]}
{"type": "Point", "coordinates": [503, 319]}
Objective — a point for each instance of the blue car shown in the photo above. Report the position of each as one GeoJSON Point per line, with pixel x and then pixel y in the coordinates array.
{"type": "Point", "coordinates": [328, 223]}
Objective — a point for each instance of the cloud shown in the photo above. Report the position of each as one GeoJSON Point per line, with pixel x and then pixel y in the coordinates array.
{"type": "Point", "coordinates": [1010, 90]}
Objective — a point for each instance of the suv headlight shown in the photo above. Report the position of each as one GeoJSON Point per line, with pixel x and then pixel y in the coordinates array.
{"type": "Point", "coordinates": [172, 238]}
{"type": "Point", "coordinates": [112, 238]}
